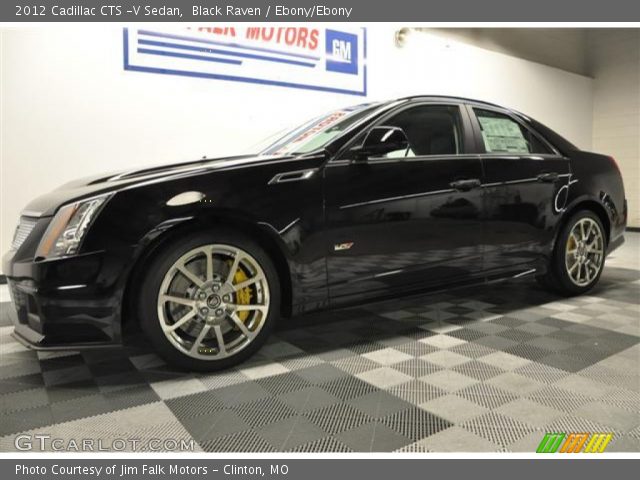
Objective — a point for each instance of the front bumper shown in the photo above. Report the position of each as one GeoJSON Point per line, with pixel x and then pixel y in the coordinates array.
{"type": "Point", "coordinates": [69, 303]}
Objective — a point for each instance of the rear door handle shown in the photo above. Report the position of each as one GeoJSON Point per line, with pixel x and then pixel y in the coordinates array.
{"type": "Point", "coordinates": [548, 177]}
{"type": "Point", "coordinates": [466, 185]}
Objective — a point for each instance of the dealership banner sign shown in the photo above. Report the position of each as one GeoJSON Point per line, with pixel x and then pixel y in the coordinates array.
{"type": "Point", "coordinates": [314, 58]}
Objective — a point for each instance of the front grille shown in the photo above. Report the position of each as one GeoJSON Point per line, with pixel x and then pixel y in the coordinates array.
{"type": "Point", "coordinates": [22, 232]}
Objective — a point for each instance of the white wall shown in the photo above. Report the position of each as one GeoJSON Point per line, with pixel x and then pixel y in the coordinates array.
{"type": "Point", "coordinates": [563, 48]}
{"type": "Point", "coordinates": [69, 109]}
{"type": "Point", "coordinates": [433, 64]}
{"type": "Point", "coordinates": [615, 57]}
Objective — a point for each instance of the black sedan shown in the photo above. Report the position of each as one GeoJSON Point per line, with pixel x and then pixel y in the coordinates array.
{"type": "Point", "coordinates": [365, 202]}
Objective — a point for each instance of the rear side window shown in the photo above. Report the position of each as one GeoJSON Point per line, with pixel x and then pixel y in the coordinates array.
{"type": "Point", "coordinates": [502, 134]}
{"type": "Point", "coordinates": [430, 129]}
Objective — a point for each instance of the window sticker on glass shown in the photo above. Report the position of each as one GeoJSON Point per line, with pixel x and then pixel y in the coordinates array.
{"type": "Point", "coordinates": [316, 129]}
{"type": "Point", "coordinates": [502, 135]}
{"type": "Point", "coordinates": [318, 132]}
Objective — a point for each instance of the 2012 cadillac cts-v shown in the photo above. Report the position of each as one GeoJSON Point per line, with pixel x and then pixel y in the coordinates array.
{"type": "Point", "coordinates": [370, 201]}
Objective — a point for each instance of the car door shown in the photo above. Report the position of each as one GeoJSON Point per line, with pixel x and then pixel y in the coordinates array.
{"type": "Point", "coordinates": [524, 188]}
{"type": "Point", "coordinates": [409, 217]}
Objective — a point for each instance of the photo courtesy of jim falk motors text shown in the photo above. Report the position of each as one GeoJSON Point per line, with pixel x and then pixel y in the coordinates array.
{"type": "Point", "coordinates": [150, 469]}
{"type": "Point", "coordinates": [295, 239]}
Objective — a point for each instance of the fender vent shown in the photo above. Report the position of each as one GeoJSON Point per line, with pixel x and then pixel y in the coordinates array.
{"type": "Point", "coordinates": [296, 176]}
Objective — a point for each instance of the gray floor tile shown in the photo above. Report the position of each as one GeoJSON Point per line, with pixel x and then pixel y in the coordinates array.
{"type": "Point", "coordinates": [307, 399]}
{"type": "Point", "coordinates": [529, 412]}
{"type": "Point", "coordinates": [379, 404]}
{"type": "Point", "coordinates": [215, 424]}
{"type": "Point", "coordinates": [373, 437]}
{"type": "Point", "coordinates": [325, 444]}
{"type": "Point", "coordinates": [290, 433]}
{"type": "Point", "coordinates": [454, 439]}
{"type": "Point", "coordinates": [321, 374]}
{"type": "Point", "coordinates": [453, 408]}
{"type": "Point", "coordinates": [619, 419]}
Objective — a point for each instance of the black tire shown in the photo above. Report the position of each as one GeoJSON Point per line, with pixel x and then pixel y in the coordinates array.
{"type": "Point", "coordinates": [153, 280]}
{"type": "Point", "coordinates": [558, 278]}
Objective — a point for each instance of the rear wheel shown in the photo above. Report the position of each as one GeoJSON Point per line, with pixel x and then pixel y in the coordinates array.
{"type": "Point", "coordinates": [209, 301]}
{"type": "Point", "coordinates": [579, 255]}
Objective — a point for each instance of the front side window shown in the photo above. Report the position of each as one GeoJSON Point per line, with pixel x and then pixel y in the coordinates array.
{"type": "Point", "coordinates": [502, 134]}
{"type": "Point", "coordinates": [430, 129]}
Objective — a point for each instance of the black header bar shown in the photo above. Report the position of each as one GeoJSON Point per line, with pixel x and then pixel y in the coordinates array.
{"type": "Point", "coordinates": [319, 11]}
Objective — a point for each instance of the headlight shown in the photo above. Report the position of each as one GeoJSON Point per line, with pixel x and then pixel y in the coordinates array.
{"type": "Point", "coordinates": [68, 228]}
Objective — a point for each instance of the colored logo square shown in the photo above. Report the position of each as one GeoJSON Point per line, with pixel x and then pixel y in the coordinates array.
{"type": "Point", "coordinates": [342, 52]}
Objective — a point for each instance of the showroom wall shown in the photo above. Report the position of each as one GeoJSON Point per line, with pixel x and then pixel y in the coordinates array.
{"type": "Point", "coordinates": [70, 110]}
{"type": "Point", "coordinates": [615, 66]}
{"type": "Point", "coordinates": [562, 47]}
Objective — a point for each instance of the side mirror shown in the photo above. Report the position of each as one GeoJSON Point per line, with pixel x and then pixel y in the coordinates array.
{"type": "Point", "coordinates": [380, 141]}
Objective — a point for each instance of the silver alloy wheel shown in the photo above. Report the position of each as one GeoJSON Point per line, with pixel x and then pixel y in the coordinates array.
{"type": "Point", "coordinates": [213, 301]}
{"type": "Point", "coordinates": [584, 252]}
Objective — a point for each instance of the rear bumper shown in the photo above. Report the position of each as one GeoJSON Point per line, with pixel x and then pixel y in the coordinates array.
{"type": "Point", "coordinates": [65, 304]}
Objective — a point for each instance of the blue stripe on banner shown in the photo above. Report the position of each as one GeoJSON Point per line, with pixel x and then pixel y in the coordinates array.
{"type": "Point", "coordinates": [224, 44]}
{"type": "Point", "coordinates": [317, 88]}
{"type": "Point", "coordinates": [188, 56]}
{"type": "Point", "coordinates": [224, 52]}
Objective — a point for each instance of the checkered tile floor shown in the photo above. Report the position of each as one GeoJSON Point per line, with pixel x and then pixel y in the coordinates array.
{"type": "Point", "coordinates": [483, 369]}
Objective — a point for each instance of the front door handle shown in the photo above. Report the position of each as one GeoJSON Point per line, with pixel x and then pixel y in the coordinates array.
{"type": "Point", "coordinates": [548, 177]}
{"type": "Point", "coordinates": [466, 185]}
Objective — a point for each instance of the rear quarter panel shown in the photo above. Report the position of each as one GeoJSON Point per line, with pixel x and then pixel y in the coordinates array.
{"type": "Point", "coordinates": [596, 178]}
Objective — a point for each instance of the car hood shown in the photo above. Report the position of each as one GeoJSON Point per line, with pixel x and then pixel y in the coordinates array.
{"type": "Point", "coordinates": [47, 204]}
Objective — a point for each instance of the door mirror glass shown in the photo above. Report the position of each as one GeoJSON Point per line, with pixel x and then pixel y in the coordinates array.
{"type": "Point", "coordinates": [382, 141]}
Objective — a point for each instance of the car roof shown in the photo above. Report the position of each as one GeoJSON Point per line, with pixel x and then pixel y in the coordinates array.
{"type": "Point", "coordinates": [463, 100]}
{"type": "Point", "coordinates": [452, 98]}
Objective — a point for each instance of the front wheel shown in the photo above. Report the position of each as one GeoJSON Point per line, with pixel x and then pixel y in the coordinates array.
{"type": "Point", "coordinates": [209, 300]}
{"type": "Point", "coordinates": [578, 257]}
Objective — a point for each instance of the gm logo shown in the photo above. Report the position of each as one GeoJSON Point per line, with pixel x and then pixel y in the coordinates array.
{"type": "Point", "coordinates": [342, 52]}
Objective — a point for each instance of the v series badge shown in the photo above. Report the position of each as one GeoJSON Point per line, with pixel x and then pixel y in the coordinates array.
{"type": "Point", "coordinates": [342, 246]}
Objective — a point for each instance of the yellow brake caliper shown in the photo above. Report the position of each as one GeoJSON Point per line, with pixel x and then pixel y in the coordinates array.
{"type": "Point", "coordinates": [243, 296]}
{"type": "Point", "coordinates": [571, 243]}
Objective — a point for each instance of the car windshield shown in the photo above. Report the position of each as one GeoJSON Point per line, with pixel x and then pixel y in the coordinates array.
{"type": "Point", "coordinates": [317, 133]}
